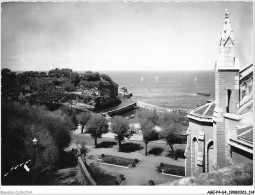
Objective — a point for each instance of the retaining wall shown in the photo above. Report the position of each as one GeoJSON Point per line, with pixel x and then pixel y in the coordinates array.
{"type": "Point", "coordinates": [87, 179]}
{"type": "Point", "coordinates": [122, 110]}
{"type": "Point", "coordinates": [146, 106]}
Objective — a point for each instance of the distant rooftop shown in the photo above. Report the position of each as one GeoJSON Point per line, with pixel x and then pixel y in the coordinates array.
{"type": "Point", "coordinates": [206, 109]}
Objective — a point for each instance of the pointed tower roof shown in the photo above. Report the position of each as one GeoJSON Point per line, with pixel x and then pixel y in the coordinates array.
{"type": "Point", "coordinates": [227, 32]}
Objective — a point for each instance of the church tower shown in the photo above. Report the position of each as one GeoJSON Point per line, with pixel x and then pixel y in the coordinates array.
{"type": "Point", "coordinates": [226, 90]}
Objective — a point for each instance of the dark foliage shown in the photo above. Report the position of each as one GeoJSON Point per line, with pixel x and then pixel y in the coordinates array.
{"type": "Point", "coordinates": [171, 169]}
{"type": "Point", "coordinates": [116, 161]}
{"type": "Point", "coordinates": [22, 123]}
{"type": "Point", "coordinates": [151, 183]}
{"type": "Point", "coordinates": [119, 161]}
{"type": "Point", "coordinates": [106, 144]}
{"type": "Point", "coordinates": [175, 171]}
{"type": "Point", "coordinates": [180, 154]}
{"type": "Point", "coordinates": [58, 97]}
{"type": "Point", "coordinates": [156, 151]}
{"type": "Point", "coordinates": [122, 177]}
{"type": "Point", "coordinates": [9, 84]}
{"type": "Point", "coordinates": [100, 176]}
{"type": "Point", "coordinates": [66, 160]}
{"type": "Point", "coordinates": [130, 147]}
{"type": "Point", "coordinates": [176, 154]}
{"type": "Point", "coordinates": [60, 86]}
{"type": "Point", "coordinates": [106, 77]}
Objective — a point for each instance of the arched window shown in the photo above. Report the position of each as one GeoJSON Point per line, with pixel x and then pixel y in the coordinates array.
{"type": "Point", "coordinates": [209, 156]}
{"type": "Point", "coordinates": [194, 153]}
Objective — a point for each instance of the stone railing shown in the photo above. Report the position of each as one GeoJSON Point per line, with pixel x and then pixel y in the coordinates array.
{"type": "Point", "coordinates": [87, 179]}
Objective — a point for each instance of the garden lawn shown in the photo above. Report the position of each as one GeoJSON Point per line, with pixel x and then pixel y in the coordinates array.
{"type": "Point", "coordinates": [139, 175]}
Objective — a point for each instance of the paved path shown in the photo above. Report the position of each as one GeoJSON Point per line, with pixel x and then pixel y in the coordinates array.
{"type": "Point", "coordinates": [139, 175]}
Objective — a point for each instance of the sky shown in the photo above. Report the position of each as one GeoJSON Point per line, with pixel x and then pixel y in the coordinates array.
{"type": "Point", "coordinates": [121, 36]}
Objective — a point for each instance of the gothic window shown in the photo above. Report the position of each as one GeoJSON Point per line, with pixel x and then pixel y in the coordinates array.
{"type": "Point", "coordinates": [209, 156]}
{"type": "Point", "coordinates": [228, 100]}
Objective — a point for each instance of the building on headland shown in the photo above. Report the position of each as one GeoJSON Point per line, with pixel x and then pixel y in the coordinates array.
{"type": "Point", "coordinates": [220, 133]}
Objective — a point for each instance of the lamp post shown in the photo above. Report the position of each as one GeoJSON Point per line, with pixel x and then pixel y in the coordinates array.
{"type": "Point", "coordinates": [35, 142]}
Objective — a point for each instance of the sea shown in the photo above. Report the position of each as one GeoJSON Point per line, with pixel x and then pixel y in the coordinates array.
{"type": "Point", "coordinates": [169, 89]}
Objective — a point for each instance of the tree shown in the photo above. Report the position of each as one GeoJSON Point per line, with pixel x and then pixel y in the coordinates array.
{"type": "Point", "coordinates": [171, 135]}
{"type": "Point", "coordinates": [83, 149]}
{"type": "Point", "coordinates": [172, 127]}
{"type": "Point", "coordinates": [71, 113]}
{"type": "Point", "coordinates": [97, 125]}
{"type": "Point", "coordinates": [120, 126]}
{"type": "Point", "coordinates": [22, 123]}
{"type": "Point", "coordinates": [149, 134]}
{"type": "Point", "coordinates": [9, 84]}
{"type": "Point", "coordinates": [75, 79]}
{"type": "Point", "coordinates": [83, 118]}
{"type": "Point", "coordinates": [59, 125]}
{"type": "Point", "coordinates": [148, 115]}
{"type": "Point", "coordinates": [45, 154]}
{"type": "Point", "coordinates": [68, 86]}
{"type": "Point", "coordinates": [148, 120]}
{"type": "Point", "coordinates": [106, 77]}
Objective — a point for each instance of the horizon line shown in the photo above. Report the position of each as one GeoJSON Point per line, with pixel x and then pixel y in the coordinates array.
{"type": "Point", "coordinates": [113, 70]}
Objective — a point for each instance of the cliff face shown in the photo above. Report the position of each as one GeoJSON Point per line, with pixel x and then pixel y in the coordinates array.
{"type": "Point", "coordinates": [107, 88]}
{"type": "Point", "coordinates": [108, 95]}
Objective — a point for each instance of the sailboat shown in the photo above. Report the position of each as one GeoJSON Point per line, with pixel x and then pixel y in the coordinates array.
{"type": "Point", "coordinates": [195, 79]}
{"type": "Point", "coordinates": [142, 79]}
{"type": "Point", "coordinates": [156, 79]}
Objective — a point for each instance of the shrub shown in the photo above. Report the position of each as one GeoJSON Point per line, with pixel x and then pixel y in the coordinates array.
{"type": "Point", "coordinates": [116, 161]}
{"type": "Point", "coordinates": [179, 154]}
{"type": "Point", "coordinates": [171, 154]}
{"type": "Point", "coordinates": [83, 150]}
{"type": "Point", "coordinates": [103, 155]}
{"type": "Point", "coordinates": [175, 171]}
{"type": "Point", "coordinates": [130, 147]}
{"type": "Point", "coordinates": [159, 169]}
{"type": "Point", "coordinates": [134, 164]}
{"type": "Point", "coordinates": [106, 77]}
{"type": "Point", "coordinates": [136, 160]}
{"type": "Point", "coordinates": [100, 176]}
{"type": "Point", "coordinates": [117, 182]}
{"type": "Point", "coordinates": [162, 164]}
{"type": "Point", "coordinates": [122, 177]}
{"type": "Point", "coordinates": [151, 182]}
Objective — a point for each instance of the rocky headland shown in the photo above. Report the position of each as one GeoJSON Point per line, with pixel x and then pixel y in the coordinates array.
{"type": "Point", "coordinates": [89, 90]}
